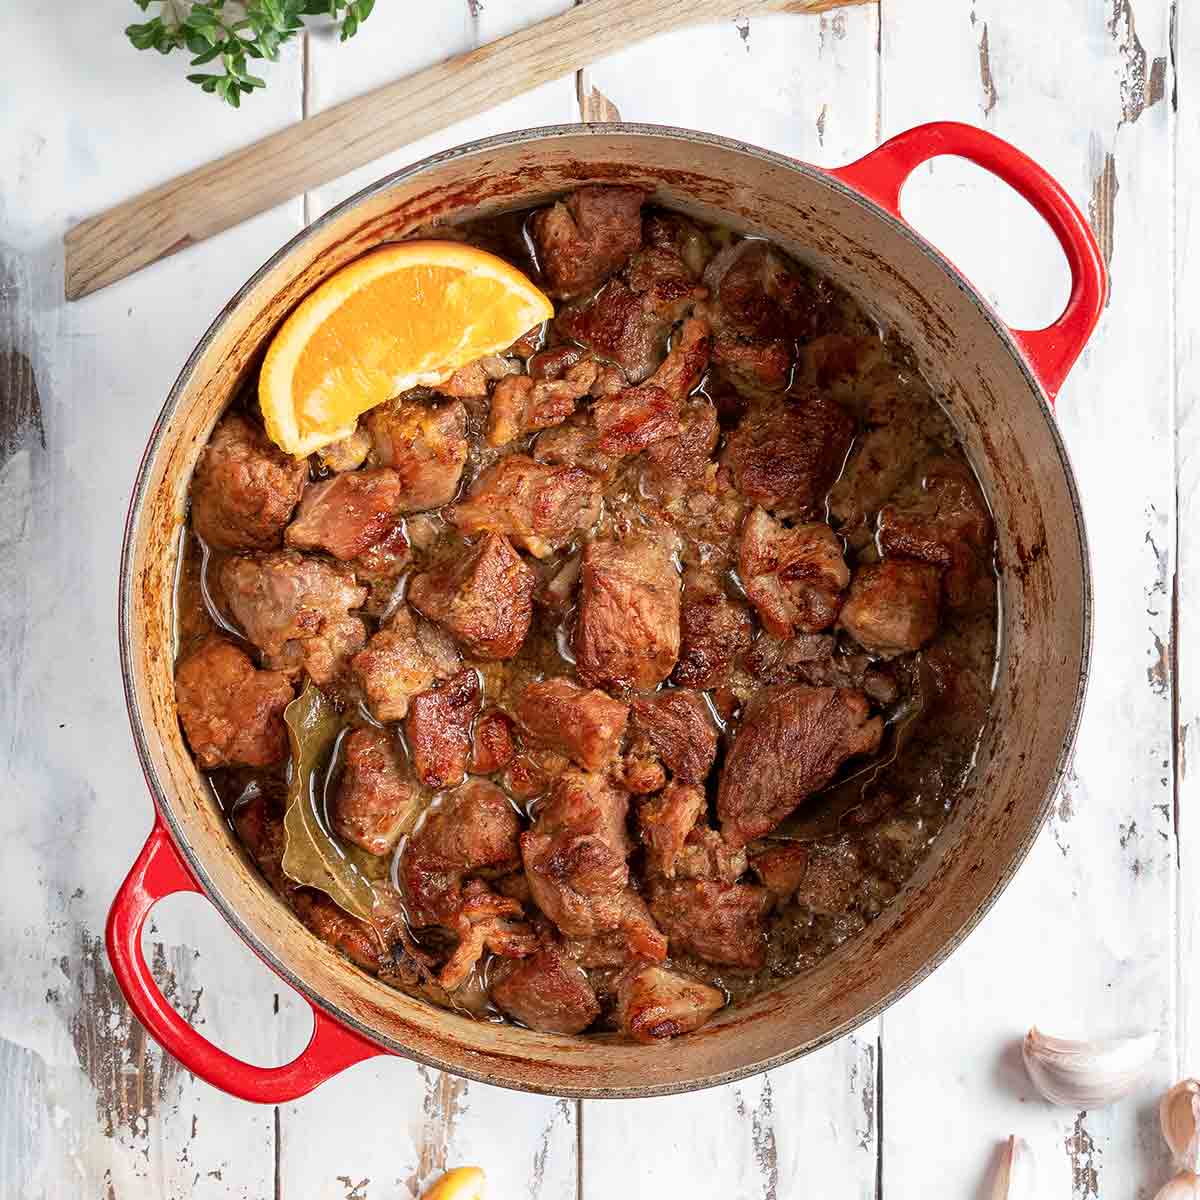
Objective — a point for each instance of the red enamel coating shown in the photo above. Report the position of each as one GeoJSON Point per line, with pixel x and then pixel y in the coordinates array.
{"type": "Point", "coordinates": [158, 872]}
{"type": "Point", "coordinates": [881, 175]}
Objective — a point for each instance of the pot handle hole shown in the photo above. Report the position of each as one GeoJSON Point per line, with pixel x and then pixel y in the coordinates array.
{"type": "Point", "coordinates": [159, 872]}
{"type": "Point", "coordinates": [881, 176]}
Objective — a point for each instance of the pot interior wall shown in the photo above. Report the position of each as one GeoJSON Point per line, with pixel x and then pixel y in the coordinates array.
{"type": "Point", "coordinates": [1008, 435]}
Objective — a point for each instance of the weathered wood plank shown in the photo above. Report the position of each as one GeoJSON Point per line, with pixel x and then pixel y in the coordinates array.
{"type": "Point", "coordinates": [388, 1127]}
{"type": "Point", "coordinates": [1083, 941]}
{"type": "Point", "coordinates": [88, 1107]}
{"type": "Point", "coordinates": [1186, 59]}
{"type": "Point", "coordinates": [805, 86]}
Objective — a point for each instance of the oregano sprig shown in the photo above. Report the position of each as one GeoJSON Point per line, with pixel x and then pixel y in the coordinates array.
{"type": "Point", "coordinates": [231, 32]}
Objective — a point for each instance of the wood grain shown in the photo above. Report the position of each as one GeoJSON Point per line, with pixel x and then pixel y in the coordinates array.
{"type": "Point", "coordinates": [189, 209]}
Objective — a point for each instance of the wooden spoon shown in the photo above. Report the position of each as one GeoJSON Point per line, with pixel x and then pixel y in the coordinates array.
{"type": "Point", "coordinates": [113, 244]}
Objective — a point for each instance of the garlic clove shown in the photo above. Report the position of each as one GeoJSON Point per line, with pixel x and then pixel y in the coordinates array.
{"type": "Point", "coordinates": [1087, 1074]}
{"type": "Point", "coordinates": [1014, 1178]}
{"type": "Point", "coordinates": [1179, 1115]}
{"type": "Point", "coordinates": [1185, 1186]}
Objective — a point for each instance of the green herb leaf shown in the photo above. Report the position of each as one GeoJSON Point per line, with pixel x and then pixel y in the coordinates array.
{"type": "Point", "coordinates": [312, 855]}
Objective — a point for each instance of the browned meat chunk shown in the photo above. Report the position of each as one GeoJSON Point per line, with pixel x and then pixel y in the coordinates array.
{"type": "Point", "coordinates": [376, 800]}
{"type": "Point", "coordinates": [629, 320]}
{"type": "Point", "coordinates": [583, 239]}
{"type": "Point", "coordinates": [762, 295]}
{"type": "Point", "coordinates": [639, 417]}
{"type": "Point", "coordinates": [781, 867]}
{"type": "Point", "coordinates": [491, 743]}
{"type": "Point", "coordinates": [893, 606]}
{"type": "Point", "coordinates": [707, 855]}
{"type": "Point", "coordinates": [947, 525]}
{"type": "Point", "coordinates": [586, 725]}
{"type": "Point", "coordinates": [959, 687]}
{"type": "Point", "coordinates": [295, 610]}
{"type": "Point", "coordinates": [893, 441]}
{"type": "Point", "coordinates": [347, 514]}
{"type": "Point", "coordinates": [438, 728]}
{"type": "Point", "coordinates": [832, 878]}
{"type": "Point", "coordinates": [634, 419]}
{"type": "Point", "coordinates": [547, 992]}
{"type": "Point", "coordinates": [753, 366]}
{"type": "Point", "coordinates": [641, 771]}
{"type": "Point", "coordinates": [532, 773]}
{"type": "Point", "coordinates": [654, 1004]}
{"type": "Point", "coordinates": [575, 860]}
{"type": "Point", "coordinates": [244, 488]}
{"type": "Point", "coordinates": [485, 600]}
{"type": "Point", "coordinates": [627, 629]}
{"type": "Point", "coordinates": [576, 443]}
{"type": "Point", "coordinates": [231, 712]}
{"type": "Point", "coordinates": [380, 566]}
{"type": "Point", "coordinates": [671, 231]}
{"type": "Point", "coordinates": [472, 829]}
{"type": "Point", "coordinates": [718, 922]}
{"type": "Point", "coordinates": [713, 631]}
{"type": "Point", "coordinates": [677, 724]}
{"type": "Point", "coordinates": [674, 465]}
{"type": "Point", "coordinates": [664, 821]}
{"type": "Point", "coordinates": [539, 507]}
{"type": "Point", "coordinates": [402, 660]}
{"type": "Point", "coordinates": [786, 456]}
{"type": "Point", "coordinates": [793, 577]}
{"type": "Point", "coordinates": [470, 382]}
{"type": "Point", "coordinates": [791, 742]}
{"type": "Point", "coordinates": [426, 446]}
{"type": "Point", "coordinates": [520, 404]}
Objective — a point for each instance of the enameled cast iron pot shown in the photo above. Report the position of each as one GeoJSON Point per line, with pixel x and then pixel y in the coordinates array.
{"type": "Point", "coordinates": [998, 384]}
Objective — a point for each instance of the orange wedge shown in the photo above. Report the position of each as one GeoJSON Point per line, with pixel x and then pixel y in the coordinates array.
{"type": "Point", "coordinates": [463, 1183]}
{"type": "Point", "coordinates": [401, 317]}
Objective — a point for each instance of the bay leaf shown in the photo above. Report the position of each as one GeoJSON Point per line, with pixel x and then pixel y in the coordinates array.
{"type": "Point", "coordinates": [312, 855]}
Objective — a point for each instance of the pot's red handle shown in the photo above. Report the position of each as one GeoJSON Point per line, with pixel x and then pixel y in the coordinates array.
{"type": "Point", "coordinates": [158, 872]}
{"type": "Point", "coordinates": [881, 176]}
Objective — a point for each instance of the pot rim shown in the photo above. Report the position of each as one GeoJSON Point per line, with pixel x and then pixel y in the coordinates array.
{"type": "Point", "coordinates": [534, 134]}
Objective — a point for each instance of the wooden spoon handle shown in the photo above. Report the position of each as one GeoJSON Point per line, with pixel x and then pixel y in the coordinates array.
{"type": "Point", "coordinates": [113, 244]}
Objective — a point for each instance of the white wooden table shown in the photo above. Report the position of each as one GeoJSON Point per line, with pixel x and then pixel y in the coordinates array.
{"type": "Point", "coordinates": [1095, 936]}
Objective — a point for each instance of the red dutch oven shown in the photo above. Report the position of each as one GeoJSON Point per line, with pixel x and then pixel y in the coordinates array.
{"type": "Point", "coordinates": [998, 385]}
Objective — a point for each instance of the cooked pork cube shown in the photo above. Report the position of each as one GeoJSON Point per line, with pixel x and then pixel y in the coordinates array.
{"type": "Point", "coordinates": [707, 855]}
{"type": "Point", "coordinates": [231, 712]}
{"type": "Point", "coordinates": [585, 724]}
{"type": "Point", "coordinates": [678, 725]}
{"type": "Point", "coordinates": [893, 606]}
{"type": "Point", "coordinates": [664, 821]}
{"type": "Point", "coordinates": [575, 443]}
{"type": "Point", "coordinates": [584, 238]}
{"type": "Point", "coordinates": [722, 923]}
{"type": "Point", "coordinates": [438, 728]}
{"type": "Point", "coordinates": [794, 576]}
{"type": "Point", "coordinates": [546, 991]}
{"type": "Point", "coordinates": [781, 867]}
{"type": "Point", "coordinates": [521, 404]}
{"type": "Point", "coordinates": [539, 507]}
{"type": "Point", "coordinates": [760, 294]}
{"type": "Point", "coordinates": [654, 1004]}
{"type": "Point", "coordinates": [713, 630]}
{"type": "Point", "coordinates": [491, 743]}
{"type": "Point", "coordinates": [790, 742]}
{"type": "Point", "coordinates": [425, 445]}
{"type": "Point", "coordinates": [485, 600]}
{"type": "Point", "coordinates": [402, 660]}
{"type": "Point", "coordinates": [244, 488]}
{"type": "Point", "coordinates": [627, 629]}
{"type": "Point", "coordinates": [296, 610]}
{"type": "Point", "coordinates": [377, 799]}
{"type": "Point", "coordinates": [348, 514]}
{"type": "Point", "coordinates": [786, 456]}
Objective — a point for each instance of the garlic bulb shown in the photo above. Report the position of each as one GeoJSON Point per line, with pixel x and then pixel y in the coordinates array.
{"type": "Point", "coordinates": [1014, 1179]}
{"type": "Point", "coordinates": [1185, 1186]}
{"type": "Point", "coordinates": [1087, 1074]}
{"type": "Point", "coordinates": [1179, 1115]}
